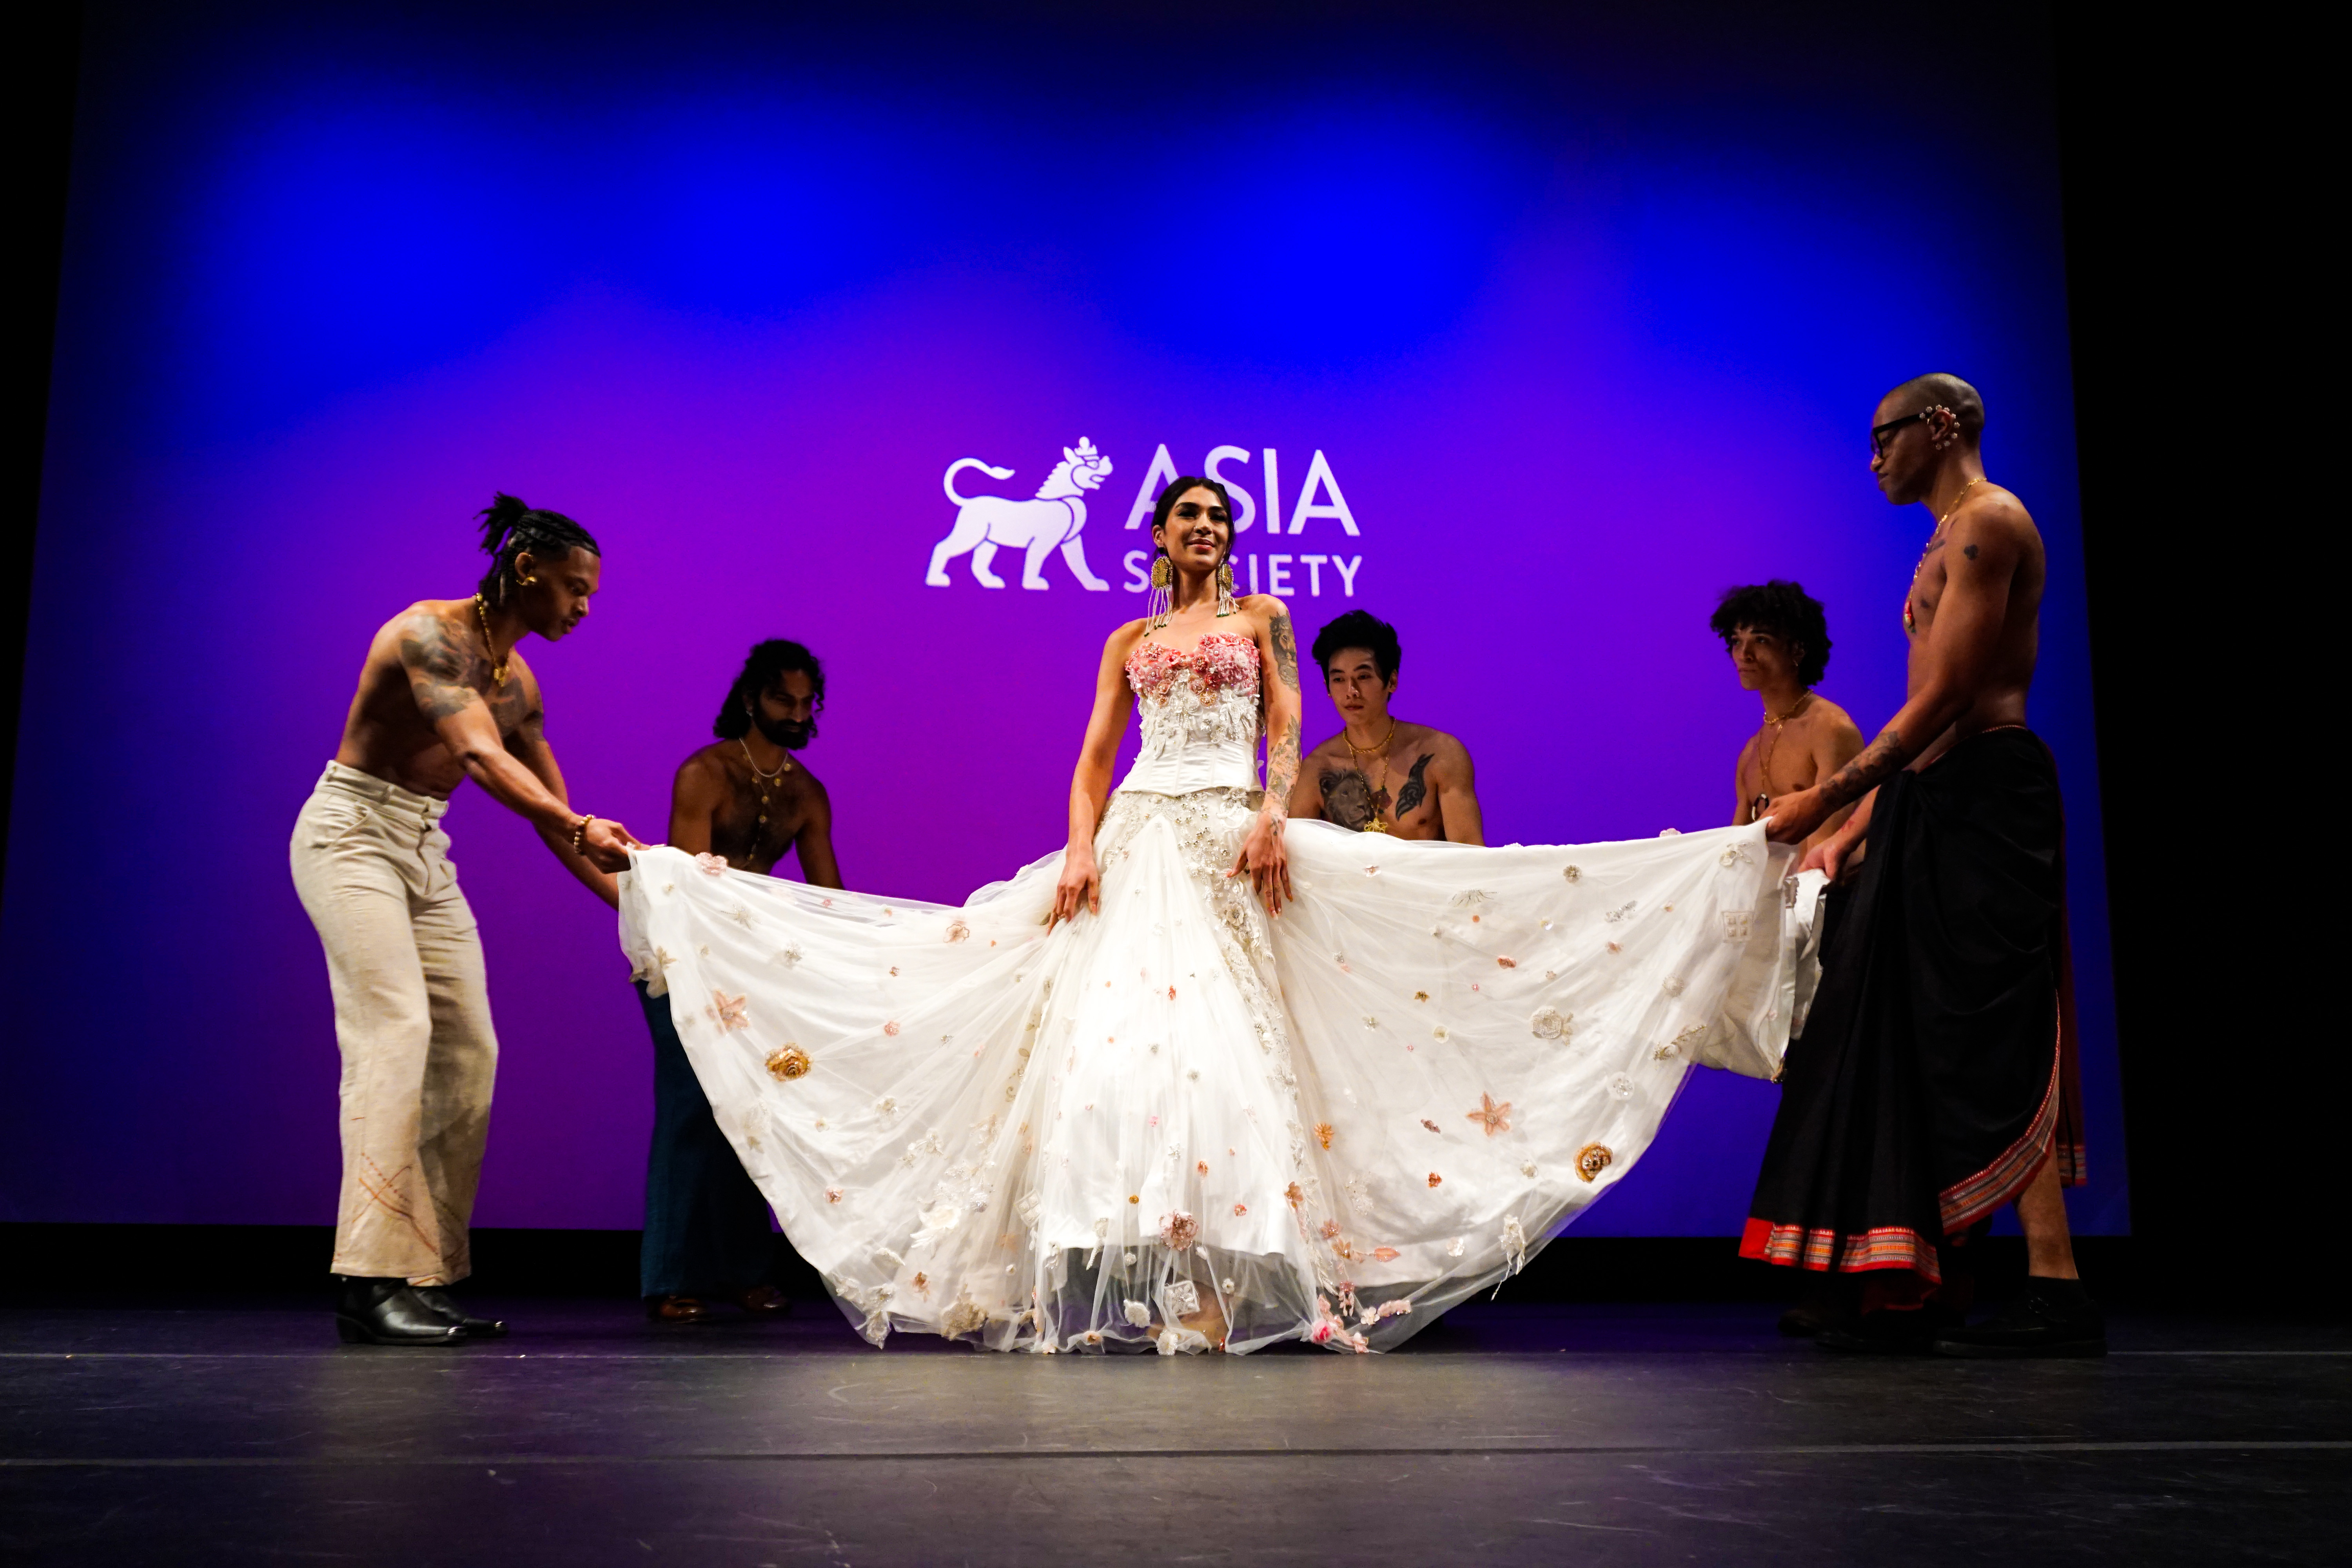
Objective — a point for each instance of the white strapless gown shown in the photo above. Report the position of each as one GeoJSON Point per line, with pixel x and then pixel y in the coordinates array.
{"type": "Point", "coordinates": [1180, 1124]}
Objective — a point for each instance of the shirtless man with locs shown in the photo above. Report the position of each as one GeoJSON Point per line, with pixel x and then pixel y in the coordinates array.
{"type": "Point", "coordinates": [749, 800]}
{"type": "Point", "coordinates": [444, 696]}
{"type": "Point", "coordinates": [1378, 775]}
{"type": "Point", "coordinates": [1936, 1079]}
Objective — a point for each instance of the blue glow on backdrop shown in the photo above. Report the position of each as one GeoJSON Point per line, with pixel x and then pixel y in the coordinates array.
{"type": "Point", "coordinates": [1540, 332]}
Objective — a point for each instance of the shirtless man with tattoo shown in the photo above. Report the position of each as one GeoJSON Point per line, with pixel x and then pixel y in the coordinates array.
{"type": "Point", "coordinates": [748, 799]}
{"type": "Point", "coordinates": [1378, 775]}
{"type": "Point", "coordinates": [1951, 972]}
{"type": "Point", "coordinates": [1778, 639]}
{"type": "Point", "coordinates": [444, 696]}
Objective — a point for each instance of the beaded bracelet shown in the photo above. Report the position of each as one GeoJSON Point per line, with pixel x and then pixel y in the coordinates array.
{"type": "Point", "coordinates": [580, 836]}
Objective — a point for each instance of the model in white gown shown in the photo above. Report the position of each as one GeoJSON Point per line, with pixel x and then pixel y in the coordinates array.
{"type": "Point", "coordinates": [1176, 1124]}
{"type": "Point", "coordinates": [1332, 1125]}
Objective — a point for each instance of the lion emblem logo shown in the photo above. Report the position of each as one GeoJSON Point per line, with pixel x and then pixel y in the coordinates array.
{"type": "Point", "coordinates": [984, 524]}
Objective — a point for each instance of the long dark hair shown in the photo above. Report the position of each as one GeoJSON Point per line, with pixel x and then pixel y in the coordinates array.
{"type": "Point", "coordinates": [768, 662]}
{"type": "Point", "coordinates": [509, 528]}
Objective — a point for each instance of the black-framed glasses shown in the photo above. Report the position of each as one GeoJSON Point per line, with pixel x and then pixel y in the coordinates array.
{"type": "Point", "coordinates": [1879, 433]}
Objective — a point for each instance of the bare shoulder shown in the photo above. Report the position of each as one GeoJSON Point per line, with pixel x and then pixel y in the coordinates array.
{"type": "Point", "coordinates": [1835, 720]}
{"type": "Point", "coordinates": [1123, 638]}
{"type": "Point", "coordinates": [704, 763]}
{"type": "Point", "coordinates": [1446, 746]}
{"type": "Point", "coordinates": [425, 624]}
{"type": "Point", "coordinates": [1994, 519]}
{"type": "Point", "coordinates": [1331, 749]}
{"type": "Point", "coordinates": [1263, 609]}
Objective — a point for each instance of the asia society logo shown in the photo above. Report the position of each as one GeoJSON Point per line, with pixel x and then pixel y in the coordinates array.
{"type": "Point", "coordinates": [1052, 520]}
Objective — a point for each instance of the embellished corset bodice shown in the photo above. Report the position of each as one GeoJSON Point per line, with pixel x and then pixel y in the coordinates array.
{"type": "Point", "coordinates": [1201, 714]}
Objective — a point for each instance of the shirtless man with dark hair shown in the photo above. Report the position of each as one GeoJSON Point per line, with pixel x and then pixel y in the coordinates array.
{"type": "Point", "coordinates": [748, 800]}
{"type": "Point", "coordinates": [1378, 775]}
{"type": "Point", "coordinates": [1778, 639]}
{"type": "Point", "coordinates": [444, 696]}
{"type": "Point", "coordinates": [1936, 1079]}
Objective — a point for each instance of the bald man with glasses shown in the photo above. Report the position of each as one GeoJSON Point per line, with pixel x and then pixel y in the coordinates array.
{"type": "Point", "coordinates": [1936, 1079]}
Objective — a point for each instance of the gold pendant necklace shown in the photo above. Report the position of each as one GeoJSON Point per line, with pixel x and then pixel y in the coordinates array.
{"type": "Point", "coordinates": [1764, 767]}
{"type": "Point", "coordinates": [762, 783]}
{"type": "Point", "coordinates": [489, 645]}
{"type": "Point", "coordinates": [1910, 623]}
{"type": "Point", "coordinates": [1380, 794]}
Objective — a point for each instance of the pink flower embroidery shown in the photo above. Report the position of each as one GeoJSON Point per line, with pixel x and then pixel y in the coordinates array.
{"type": "Point", "coordinates": [1178, 1230]}
{"type": "Point", "coordinates": [891, 1027]}
{"type": "Point", "coordinates": [1240, 1209]}
{"type": "Point", "coordinates": [711, 865]}
{"type": "Point", "coordinates": [1221, 661]}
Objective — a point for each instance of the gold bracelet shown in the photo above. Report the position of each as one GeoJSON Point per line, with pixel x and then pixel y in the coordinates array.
{"type": "Point", "coordinates": [580, 836]}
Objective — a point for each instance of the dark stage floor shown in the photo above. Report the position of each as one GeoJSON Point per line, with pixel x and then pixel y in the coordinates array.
{"type": "Point", "coordinates": [240, 1432]}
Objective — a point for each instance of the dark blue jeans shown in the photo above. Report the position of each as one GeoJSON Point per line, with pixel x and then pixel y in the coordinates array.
{"type": "Point", "coordinates": [706, 1222]}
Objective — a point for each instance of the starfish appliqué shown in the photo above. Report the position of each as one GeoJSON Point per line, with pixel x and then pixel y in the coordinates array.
{"type": "Point", "coordinates": [729, 1011]}
{"type": "Point", "coordinates": [1496, 1118]}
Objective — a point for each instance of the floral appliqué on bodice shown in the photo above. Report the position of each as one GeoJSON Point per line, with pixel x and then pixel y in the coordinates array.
{"type": "Point", "coordinates": [1207, 694]}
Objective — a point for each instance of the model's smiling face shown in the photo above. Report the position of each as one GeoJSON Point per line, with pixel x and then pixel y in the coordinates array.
{"type": "Point", "coordinates": [1199, 530]}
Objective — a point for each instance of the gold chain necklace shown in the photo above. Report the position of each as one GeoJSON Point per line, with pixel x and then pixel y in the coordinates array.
{"type": "Point", "coordinates": [762, 783]}
{"type": "Point", "coordinates": [1910, 624]}
{"type": "Point", "coordinates": [1380, 792]}
{"type": "Point", "coordinates": [489, 644]}
{"type": "Point", "coordinates": [1764, 767]}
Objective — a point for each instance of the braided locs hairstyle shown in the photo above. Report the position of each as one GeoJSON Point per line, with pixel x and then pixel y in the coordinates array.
{"type": "Point", "coordinates": [510, 528]}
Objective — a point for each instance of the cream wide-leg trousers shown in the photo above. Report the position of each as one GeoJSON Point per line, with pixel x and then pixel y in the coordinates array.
{"type": "Point", "coordinates": [411, 1017]}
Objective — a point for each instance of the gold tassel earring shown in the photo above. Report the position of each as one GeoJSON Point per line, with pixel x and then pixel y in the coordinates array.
{"type": "Point", "coordinates": [1226, 605]}
{"type": "Point", "coordinates": [1159, 604]}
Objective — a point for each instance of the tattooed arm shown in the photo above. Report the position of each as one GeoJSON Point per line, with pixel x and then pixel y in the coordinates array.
{"type": "Point", "coordinates": [1980, 560]}
{"type": "Point", "coordinates": [446, 675]}
{"type": "Point", "coordinates": [1263, 853]}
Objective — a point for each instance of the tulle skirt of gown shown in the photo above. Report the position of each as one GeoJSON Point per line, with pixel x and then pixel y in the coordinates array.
{"type": "Point", "coordinates": [1180, 1125]}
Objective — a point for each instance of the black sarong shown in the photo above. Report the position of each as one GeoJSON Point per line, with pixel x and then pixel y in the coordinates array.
{"type": "Point", "coordinates": [1937, 1069]}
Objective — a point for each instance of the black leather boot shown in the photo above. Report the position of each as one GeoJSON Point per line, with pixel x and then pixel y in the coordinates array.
{"type": "Point", "coordinates": [438, 1299]}
{"type": "Point", "coordinates": [387, 1312]}
{"type": "Point", "coordinates": [2049, 1317]}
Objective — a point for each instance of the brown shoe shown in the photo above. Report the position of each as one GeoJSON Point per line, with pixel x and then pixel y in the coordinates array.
{"type": "Point", "coordinates": [676, 1310]}
{"type": "Point", "coordinates": [762, 1302]}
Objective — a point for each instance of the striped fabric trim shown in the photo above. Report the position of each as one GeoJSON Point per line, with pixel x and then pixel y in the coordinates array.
{"type": "Point", "coordinates": [1887, 1247]}
{"type": "Point", "coordinates": [1972, 1198]}
{"type": "Point", "coordinates": [2074, 1164]}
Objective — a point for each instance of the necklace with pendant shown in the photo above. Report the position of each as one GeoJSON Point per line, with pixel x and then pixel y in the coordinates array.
{"type": "Point", "coordinates": [499, 672]}
{"type": "Point", "coordinates": [1764, 768]}
{"type": "Point", "coordinates": [762, 783]}
{"type": "Point", "coordinates": [1910, 624]}
{"type": "Point", "coordinates": [1380, 795]}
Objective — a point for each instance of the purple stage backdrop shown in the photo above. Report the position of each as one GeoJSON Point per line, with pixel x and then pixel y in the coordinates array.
{"type": "Point", "coordinates": [1528, 339]}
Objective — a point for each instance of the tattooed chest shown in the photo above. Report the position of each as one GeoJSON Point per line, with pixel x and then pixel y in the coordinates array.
{"type": "Point", "coordinates": [1353, 798]}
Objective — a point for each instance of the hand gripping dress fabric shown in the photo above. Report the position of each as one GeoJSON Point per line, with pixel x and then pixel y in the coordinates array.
{"type": "Point", "coordinates": [1180, 1125]}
